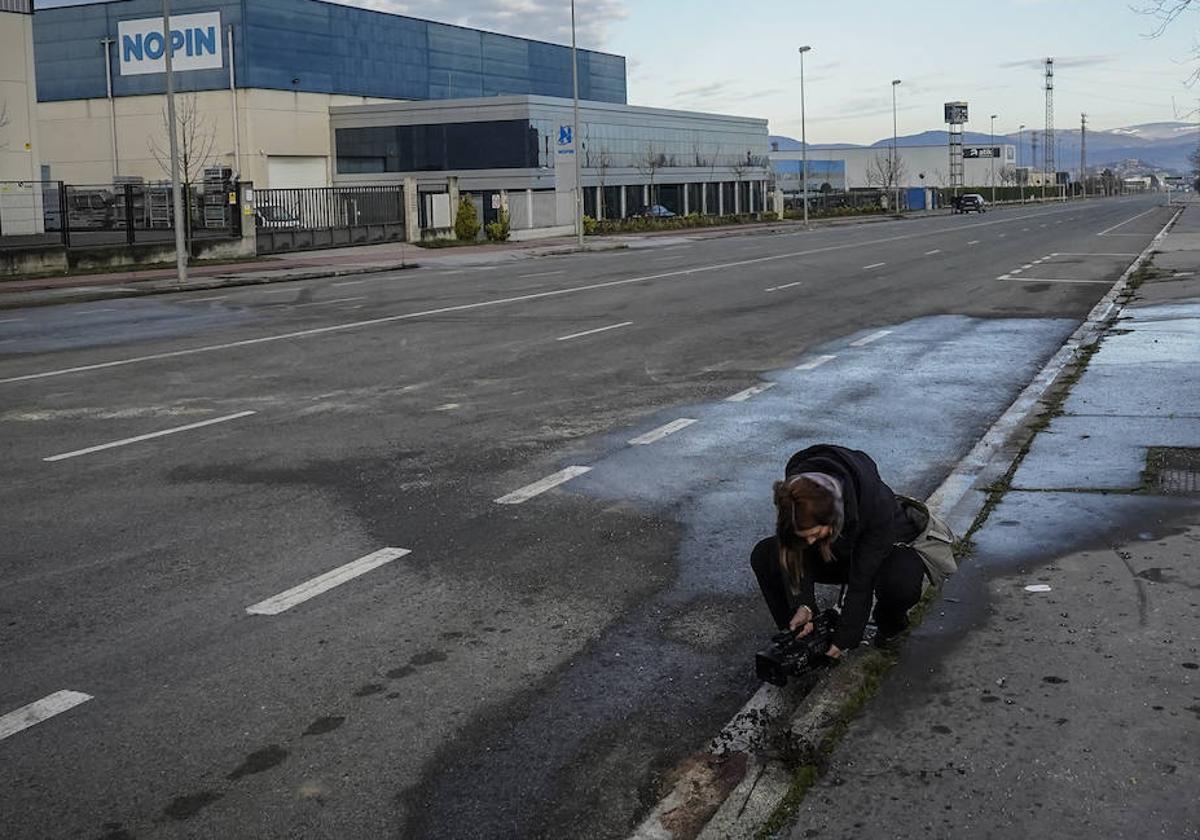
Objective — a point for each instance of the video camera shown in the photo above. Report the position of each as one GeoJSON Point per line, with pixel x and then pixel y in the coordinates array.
{"type": "Point", "coordinates": [788, 656]}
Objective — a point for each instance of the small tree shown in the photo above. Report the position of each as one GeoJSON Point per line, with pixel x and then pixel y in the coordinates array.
{"type": "Point", "coordinates": [499, 230]}
{"type": "Point", "coordinates": [466, 220]}
{"type": "Point", "coordinates": [648, 165]}
{"type": "Point", "coordinates": [195, 136]}
{"type": "Point", "coordinates": [885, 171]}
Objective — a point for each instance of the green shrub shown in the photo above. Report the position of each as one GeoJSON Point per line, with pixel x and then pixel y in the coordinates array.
{"type": "Point", "coordinates": [590, 225]}
{"type": "Point", "coordinates": [466, 220]}
{"type": "Point", "coordinates": [769, 216]}
{"type": "Point", "coordinates": [499, 230]}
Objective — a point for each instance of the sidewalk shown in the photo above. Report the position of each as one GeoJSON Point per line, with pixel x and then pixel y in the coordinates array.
{"type": "Point", "coordinates": [364, 259]}
{"type": "Point", "coordinates": [1054, 689]}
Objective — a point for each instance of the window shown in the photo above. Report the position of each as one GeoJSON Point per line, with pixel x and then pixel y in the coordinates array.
{"type": "Point", "coordinates": [498, 144]}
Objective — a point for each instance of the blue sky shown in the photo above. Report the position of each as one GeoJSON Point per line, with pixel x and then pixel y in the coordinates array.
{"type": "Point", "coordinates": [740, 58]}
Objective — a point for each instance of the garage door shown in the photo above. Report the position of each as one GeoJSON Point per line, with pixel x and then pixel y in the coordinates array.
{"type": "Point", "coordinates": [296, 171]}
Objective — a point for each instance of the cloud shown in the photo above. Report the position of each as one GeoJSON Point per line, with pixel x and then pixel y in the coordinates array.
{"type": "Point", "coordinates": [545, 20]}
{"type": "Point", "coordinates": [1065, 61]}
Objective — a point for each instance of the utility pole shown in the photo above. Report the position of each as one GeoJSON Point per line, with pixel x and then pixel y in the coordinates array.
{"type": "Point", "coordinates": [181, 257]}
{"type": "Point", "coordinates": [895, 159]}
{"type": "Point", "coordinates": [803, 139]}
{"type": "Point", "coordinates": [1033, 150]}
{"type": "Point", "coordinates": [992, 152]}
{"type": "Point", "coordinates": [575, 136]}
{"type": "Point", "coordinates": [1083, 154]}
{"type": "Point", "coordinates": [1020, 139]}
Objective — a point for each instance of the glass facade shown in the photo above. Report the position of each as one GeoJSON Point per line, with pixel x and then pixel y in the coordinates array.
{"type": "Point", "coordinates": [788, 174]}
{"type": "Point", "coordinates": [498, 144]}
{"type": "Point", "coordinates": [647, 146]}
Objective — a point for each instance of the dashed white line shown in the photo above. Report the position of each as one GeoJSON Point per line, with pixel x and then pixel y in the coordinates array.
{"type": "Point", "coordinates": [538, 487]}
{"type": "Point", "coordinates": [973, 242]}
{"type": "Point", "coordinates": [1127, 221]}
{"type": "Point", "coordinates": [875, 336]}
{"type": "Point", "coordinates": [150, 436]}
{"type": "Point", "coordinates": [1016, 271]}
{"type": "Point", "coordinates": [280, 291]}
{"type": "Point", "coordinates": [541, 274]}
{"type": "Point", "coordinates": [873, 265]}
{"type": "Point", "coordinates": [814, 363]}
{"type": "Point", "coordinates": [1023, 230]}
{"type": "Point", "coordinates": [934, 251]}
{"type": "Point", "coordinates": [784, 286]}
{"type": "Point", "coordinates": [328, 302]}
{"type": "Point", "coordinates": [205, 299]}
{"type": "Point", "coordinates": [742, 396]}
{"type": "Point", "coordinates": [352, 282]}
{"type": "Point", "coordinates": [10, 320]}
{"type": "Point", "coordinates": [662, 431]}
{"type": "Point", "coordinates": [593, 332]}
{"type": "Point", "coordinates": [1095, 254]}
{"type": "Point", "coordinates": [323, 583]}
{"type": "Point", "coordinates": [448, 407]}
{"type": "Point", "coordinates": [40, 710]}
{"type": "Point", "coordinates": [87, 312]}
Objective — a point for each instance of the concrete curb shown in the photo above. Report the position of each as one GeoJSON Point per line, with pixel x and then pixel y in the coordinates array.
{"type": "Point", "coordinates": [739, 812]}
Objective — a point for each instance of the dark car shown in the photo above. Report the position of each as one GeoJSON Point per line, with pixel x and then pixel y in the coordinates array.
{"type": "Point", "coordinates": [654, 211]}
{"type": "Point", "coordinates": [969, 203]}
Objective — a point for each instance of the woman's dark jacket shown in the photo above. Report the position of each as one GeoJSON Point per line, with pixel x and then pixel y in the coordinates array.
{"type": "Point", "coordinates": [873, 523]}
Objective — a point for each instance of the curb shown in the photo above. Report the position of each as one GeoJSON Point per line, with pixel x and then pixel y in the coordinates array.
{"type": "Point", "coordinates": [706, 806]}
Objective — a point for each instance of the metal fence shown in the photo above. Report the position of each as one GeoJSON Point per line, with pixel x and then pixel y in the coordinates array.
{"type": "Point", "coordinates": [52, 213]}
{"type": "Point", "coordinates": [327, 217]}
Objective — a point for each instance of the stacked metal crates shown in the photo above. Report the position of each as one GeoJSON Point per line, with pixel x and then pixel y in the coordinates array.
{"type": "Point", "coordinates": [216, 196]}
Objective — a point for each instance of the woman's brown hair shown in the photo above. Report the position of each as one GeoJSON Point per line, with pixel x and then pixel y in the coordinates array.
{"type": "Point", "coordinates": [802, 503]}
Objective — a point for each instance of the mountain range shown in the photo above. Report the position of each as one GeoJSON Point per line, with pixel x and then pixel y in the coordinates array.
{"type": "Point", "coordinates": [1162, 145]}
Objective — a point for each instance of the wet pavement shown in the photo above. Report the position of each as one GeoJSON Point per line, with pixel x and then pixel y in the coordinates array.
{"type": "Point", "coordinates": [1054, 689]}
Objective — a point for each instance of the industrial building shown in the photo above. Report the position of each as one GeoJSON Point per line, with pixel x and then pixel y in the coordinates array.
{"type": "Point", "coordinates": [859, 167]}
{"type": "Point", "coordinates": [18, 102]}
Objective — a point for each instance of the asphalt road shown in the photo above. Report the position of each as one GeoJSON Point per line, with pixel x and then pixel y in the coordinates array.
{"type": "Point", "coordinates": [536, 662]}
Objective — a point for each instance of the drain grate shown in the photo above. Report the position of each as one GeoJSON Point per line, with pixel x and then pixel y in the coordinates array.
{"type": "Point", "coordinates": [1172, 470]}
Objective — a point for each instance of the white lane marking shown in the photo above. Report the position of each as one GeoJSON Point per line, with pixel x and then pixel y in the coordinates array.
{"type": "Point", "coordinates": [1005, 234]}
{"type": "Point", "coordinates": [662, 431]}
{"type": "Point", "coordinates": [973, 242]}
{"type": "Point", "coordinates": [448, 273]}
{"type": "Point", "coordinates": [323, 583]}
{"type": "Point", "coordinates": [328, 302]}
{"type": "Point", "coordinates": [1004, 277]}
{"type": "Point", "coordinates": [1016, 271]}
{"type": "Point", "coordinates": [527, 492]}
{"type": "Point", "coordinates": [1038, 587]}
{"type": "Point", "coordinates": [205, 299]}
{"type": "Point", "coordinates": [87, 312]}
{"type": "Point", "coordinates": [1095, 254]}
{"type": "Point", "coordinates": [278, 291]}
{"type": "Point", "coordinates": [1024, 230]}
{"type": "Point", "coordinates": [352, 282]}
{"type": "Point", "coordinates": [1027, 266]}
{"type": "Point", "coordinates": [10, 320]}
{"type": "Point", "coordinates": [784, 286]}
{"type": "Point", "coordinates": [40, 710]}
{"type": "Point", "coordinates": [682, 273]}
{"type": "Point", "coordinates": [1183, 274]}
{"type": "Point", "coordinates": [541, 274]}
{"type": "Point", "coordinates": [875, 336]}
{"type": "Point", "coordinates": [150, 436]}
{"type": "Point", "coordinates": [815, 363]}
{"type": "Point", "coordinates": [934, 251]}
{"type": "Point", "coordinates": [1050, 280]}
{"type": "Point", "coordinates": [742, 396]}
{"type": "Point", "coordinates": [448, 407]}
{"type": "Point", "coordinates": [1127, 221]}
{"type": "Point", "coordinates": [593, 332]}
{"type": "Point", "coordinates": [873, 265]}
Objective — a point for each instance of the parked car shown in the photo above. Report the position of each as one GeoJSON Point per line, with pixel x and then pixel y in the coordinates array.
{"type": "Point", "coordinates": [654, 211]}
{"type": "Point", "coordinates": [274, 216]}
{"type": "Point", "coordinates": [970, 202]}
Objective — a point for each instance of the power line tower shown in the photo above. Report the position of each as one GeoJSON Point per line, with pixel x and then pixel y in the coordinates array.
{"type": "Point", "coordinates": [1083, 152]}
{"type": "Point", "coordinates": [1048, 138]}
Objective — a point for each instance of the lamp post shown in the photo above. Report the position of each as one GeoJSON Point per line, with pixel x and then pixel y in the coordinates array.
{"type": "Point", "coordinates": [575, 136]}
{"type": "Point", "coordinates": [803, 139]}
{"type": "Point", "coordinates": [1020, 137]}
{"type": "Point", "coordinates": [181, 258]}
{"type": "Point", "coordinates": [895, 160]}
{"type": "Point", "coordinates": [992, 152]}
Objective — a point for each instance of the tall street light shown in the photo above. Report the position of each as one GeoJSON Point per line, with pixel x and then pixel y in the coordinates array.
{"type": "Point", "coordinates": [895, 159]}
{"type": "Point", "coordinates": [803, 138]}
{"type": "Point", "coordinates": [992, 152]}
{"type": "Point", "coordinates": [181, 259]}
{"type": "Point", "coordinates": [1020, 139]}
{"type": "Point", "coordinates": [575, 136]}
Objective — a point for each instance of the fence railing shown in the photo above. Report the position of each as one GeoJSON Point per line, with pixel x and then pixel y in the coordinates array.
{"type": "Point", "coordinates": [314, 208]}
{"type": "Point", "coordinates": [48, 213]}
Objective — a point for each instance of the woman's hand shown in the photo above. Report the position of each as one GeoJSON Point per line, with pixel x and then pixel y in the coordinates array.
{"type": "Point", "coordinates": [834, 652]}
{"type": "Point", "coordinates": [802, 622]}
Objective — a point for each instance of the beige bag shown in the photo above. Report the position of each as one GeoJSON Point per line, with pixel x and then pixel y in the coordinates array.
{"type": "Point", "coordinates": [935, 543]}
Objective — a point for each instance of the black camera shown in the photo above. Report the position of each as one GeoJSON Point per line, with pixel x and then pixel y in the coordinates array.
{"type": "Point", "coordinates": [788, 656]}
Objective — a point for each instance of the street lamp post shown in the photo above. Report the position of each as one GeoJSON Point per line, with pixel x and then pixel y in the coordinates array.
{"type": "Point", "coordinates": [1020, 138]}
{"type": "Point", "coordinates": [575, 136]}
{"type": "Point", "coordinates": [992, 152]}
{"type": "Point", "coordinates": [895, 159]}
{"type": "Point", "coordinates": [803, 139]}
{"type": "Point", "coordinates": [181, 257]}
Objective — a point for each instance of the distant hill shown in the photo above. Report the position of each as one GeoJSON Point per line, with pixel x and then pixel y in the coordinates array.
{"type": "Point", "coordinates": [1166, 144]}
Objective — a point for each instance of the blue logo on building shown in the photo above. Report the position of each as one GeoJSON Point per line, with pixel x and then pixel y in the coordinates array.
{"type": "Point", "coordinates": [564, 135]}
{"type": "Point", "coordinates": [195, 41]}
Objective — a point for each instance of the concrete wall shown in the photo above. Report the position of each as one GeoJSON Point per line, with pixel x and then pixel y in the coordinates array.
{"type": "Point", "coordinates": [931, 161]}
{"type": "Point", "coordinates": [78, 139]}
{"type": "Point", "coordinates": [19, 145]}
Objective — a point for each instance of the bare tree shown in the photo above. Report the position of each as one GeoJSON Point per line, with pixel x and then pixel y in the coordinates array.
{"type": "Point", "coordinates": [1008, 175]}
{"type": "Point", "coordinates": [648, 165]}
{"type": "Point", "coordinates": [885, 171]}
{"type": "Point", "coordinates": [196, 138]}
{"type": "Point", "coordinates": [603, 164]}
{"type": "Point", "coordinates": [1166, 12]}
